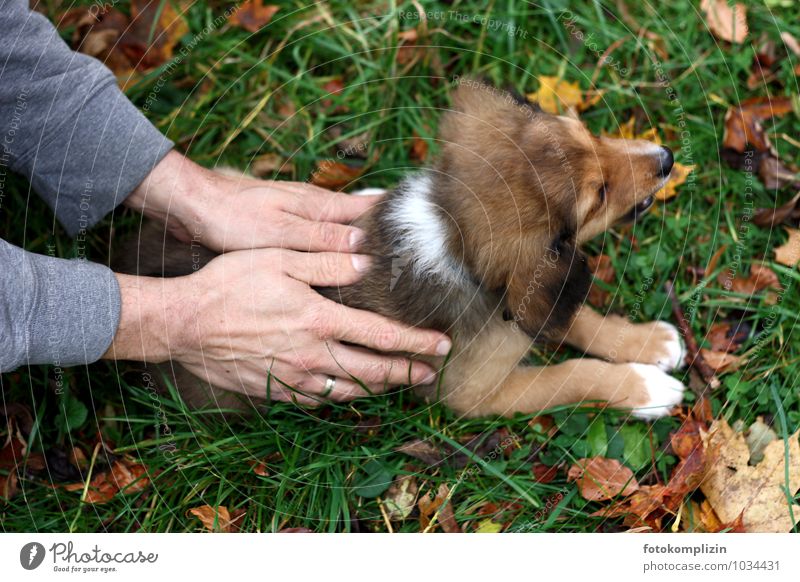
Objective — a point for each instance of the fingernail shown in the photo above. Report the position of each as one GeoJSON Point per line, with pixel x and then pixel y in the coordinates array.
{"type": "Point", "coordinates": [429, 378]}
{"type": "Point", "coordinates": [443, 347]}
{"type": "Point", "coordinates": [360, 262]}
{"type": "Point", "coordinates": [356, 238]}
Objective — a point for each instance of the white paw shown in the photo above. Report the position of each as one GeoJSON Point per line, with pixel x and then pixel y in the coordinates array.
{"type": "Point", "coordinates": [663, 392]}
{"type": "Point", "coordinates": [671, 354]}
{"type": "Point", "coordinates": [369, 192]}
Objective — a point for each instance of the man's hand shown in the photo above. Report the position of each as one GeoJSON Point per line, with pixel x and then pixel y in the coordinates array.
{"type": "Point", "coordinates": [227, 213]}
{"type": "Point", "coordinates": [248, 313]}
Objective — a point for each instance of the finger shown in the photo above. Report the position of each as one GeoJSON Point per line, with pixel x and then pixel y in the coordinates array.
{"type": "Point", "coordinates": [344, 389]}
{"type": "Point", "coordinates": [312, 236]}
{"type": "Point", "coordinates": [375, 369]}
{"type": "Point", "coordinates": [382, 334]}
{"type": "Point", "coordinates": [322, 205]}
{"type": "Point", "coordinates": [325, 269]}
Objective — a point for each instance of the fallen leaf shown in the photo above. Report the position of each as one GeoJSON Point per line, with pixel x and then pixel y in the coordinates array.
{"type": "Point", "coordinates": [433, 455]}
{"type": "Point", "coordinates": [558, 96]}
{"type": "Point", "coordinates": [789, 253]}
{"type": "Point", "coordinates": [419, 148]}
{"type": "Point", "coordinates": [680, 172]}
{"type": "Point", "coordinates": [334, 175]}
{"type": "Point", "coordinates": [774, 174]}
{"type": "Point", "coordinates": [687, 438]}
{"type": "Point", "coordinates": [743, 123]}
{"type": "Point", "coordinates": [726, 22]}
{"type": "Point", "coordinates": [761, 277]}
{"type": "Point", "coordinates": [722, 338]}
{"type": "Point", "coordinates": [787, 213]}
{"type": "Point", "coordinates": [599, 478]}
{"type": "Point", "coordinates": [428, 508]}
{"type": "Point", "coordinates": [8, 485]}
{"type": "Point", "coordinates": [218, 519]}
{"type": "Point", "coordinates": [260, 468]}
{"type": "Point", "coordinates": [543, 473]}
{"type": "Point", "coordinates": [721, 361]}
{"type": "Point", "coordinates": [791, 43]}
{"type": "Point", "coordinates": [488, 526]}
{"type": "Point", "coordinates": [603, 270]}
{"type": "Point", "coordinates": [252, 15]}
{"type": "Point", "coordinates": [401, 498]}
{"type": "Point", "coordinates": [267, 164]}
{"type": "Point", "coordinates": [125, 476]}
{"type": "Point", "coordinates": [757, 493]}
{"type": "Point", "coordinates": [154, 31]}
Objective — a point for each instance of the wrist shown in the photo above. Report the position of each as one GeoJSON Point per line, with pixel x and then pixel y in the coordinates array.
{"type": "Point", "coordinates": [176, 193]}
{"type": "Point", "coordinates": [153, 327]}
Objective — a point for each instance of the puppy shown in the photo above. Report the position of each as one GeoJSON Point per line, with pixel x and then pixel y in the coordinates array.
{"type": "Point", "coordinates": [485, 246]}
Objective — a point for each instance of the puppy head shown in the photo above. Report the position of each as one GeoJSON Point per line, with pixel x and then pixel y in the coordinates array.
{"type": "Point", "coordinates": [526, 188]}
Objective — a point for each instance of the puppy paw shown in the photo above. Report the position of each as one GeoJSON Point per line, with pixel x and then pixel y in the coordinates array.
{"type": "Point", "coordinates": [656, 394]}
{"type": "Point", "coordinates": [659, 343]}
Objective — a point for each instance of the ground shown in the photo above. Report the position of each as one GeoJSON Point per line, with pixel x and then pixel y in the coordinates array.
{"type": "Point", "coordinates": [232, 96]}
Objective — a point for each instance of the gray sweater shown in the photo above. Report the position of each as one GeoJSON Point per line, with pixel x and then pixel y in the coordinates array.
{"type": "Point", "coordinates": [66, 126]}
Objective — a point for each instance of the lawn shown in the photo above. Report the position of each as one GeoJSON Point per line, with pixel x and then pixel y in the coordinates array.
{"type": "Point", "coordinates": [307, 88]}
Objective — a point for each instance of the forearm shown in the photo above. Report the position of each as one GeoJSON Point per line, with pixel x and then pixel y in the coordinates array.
{"type": "Point", "coordinates": [65, 124]}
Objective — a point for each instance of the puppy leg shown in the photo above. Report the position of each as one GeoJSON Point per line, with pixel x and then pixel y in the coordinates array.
{"type": "Point", "coordinates": [644, 389]}
{"type": "Point", "coordinates": [616, 339]}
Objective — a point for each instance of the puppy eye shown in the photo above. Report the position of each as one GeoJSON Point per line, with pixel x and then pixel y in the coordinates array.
{"type": "Point", "coordinates": [601, 193]}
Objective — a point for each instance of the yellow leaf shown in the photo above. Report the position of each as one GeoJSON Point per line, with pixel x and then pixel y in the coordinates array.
{"type": "Point", "coordinates": [488, 526]}
{"type": "Point", "coordinates": [679, 174]}
{"type": "Point", "coordinates": [556, 95]}
{"type": "Point", "coordinates": [789, 253]}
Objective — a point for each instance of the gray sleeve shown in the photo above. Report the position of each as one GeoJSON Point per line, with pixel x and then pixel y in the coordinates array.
{"type": "Point", "coordinates": [65, 124]}
{"type": "Point", "coordinates": [54, 311]}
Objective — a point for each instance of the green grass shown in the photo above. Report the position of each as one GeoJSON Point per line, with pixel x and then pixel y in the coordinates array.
{"type": "Point", "coordinates": [318, 460]}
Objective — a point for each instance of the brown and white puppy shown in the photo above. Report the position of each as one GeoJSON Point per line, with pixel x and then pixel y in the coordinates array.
{"type": "Point", "coordinates": [484, 246]}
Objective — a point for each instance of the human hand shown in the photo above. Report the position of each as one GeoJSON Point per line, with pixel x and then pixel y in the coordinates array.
{"type": "Point", "coordinates": [225, 212]}
{"type": "Point", "coordinates": [250, 312]}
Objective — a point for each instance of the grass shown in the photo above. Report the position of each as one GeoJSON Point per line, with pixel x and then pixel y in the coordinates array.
{"type": "Point", "coordinates": [319, 462]}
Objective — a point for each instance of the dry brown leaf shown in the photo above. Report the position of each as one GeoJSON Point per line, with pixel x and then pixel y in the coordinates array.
{"type": "Point", "coordinates": [789, 253]}
{"type": "Point", "coordinates": [558, 96]}
{"type": "Point", "coordinates": [734, 488]}
{"type": "Point", "coordinates": [603, 270]}
{"type": "Point", "coordinates": [721, 361]}
{"type": "Point", "coordinates": [334, 175]}
{"type": "Point", "coordinates": [726, 22]}
{"type": "Point", "coordinates": [774, 174]}
{"type": "Point", "coordinates": [401, 498]}
{"type": "Point", "coordinates": [761, 277]}
{"type": "Point", "coordinates": [219, 519]}
{"type": "Point", "coordinates": [252, 15]}
{"type": "Point", "coordinates": [791, 42]}
{"type": "Point", "coordinates": [8, 485]}
{"type": "Point", "coordinates": [419, 148]}
{"type": "Point", "coordinates": [428, 508]}
{"type": "Point", "coordinates": [743, 123]}
{"type": "Point", "coordinates": [543, 473]}
{"type": "Point", "coordinates": [599, 478]}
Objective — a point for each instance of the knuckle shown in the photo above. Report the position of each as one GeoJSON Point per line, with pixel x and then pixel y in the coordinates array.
{"type": "Point", "coordinates": [328, 234]}
{"type": "Point", "coordinates": [320, 322]}
{"type": "Point", "coordinates": [385, 338]}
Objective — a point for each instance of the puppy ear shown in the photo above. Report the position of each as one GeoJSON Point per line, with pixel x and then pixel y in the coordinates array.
{"type": "Point", "coordinates": [548, 286]}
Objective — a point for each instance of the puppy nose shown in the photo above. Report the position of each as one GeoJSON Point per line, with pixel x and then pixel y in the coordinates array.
{"type": "Point", "coordinates": [666, 161]}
